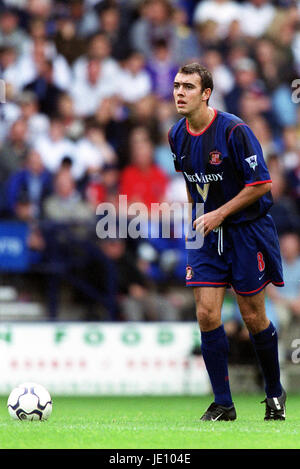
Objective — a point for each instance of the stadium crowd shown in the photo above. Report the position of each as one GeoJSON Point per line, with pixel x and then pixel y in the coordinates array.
{"type": "Point", "coordinates": [85, 116]}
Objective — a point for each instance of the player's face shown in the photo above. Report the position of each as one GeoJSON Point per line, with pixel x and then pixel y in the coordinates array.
{"type": "Point", "coordinates": [188, 93]}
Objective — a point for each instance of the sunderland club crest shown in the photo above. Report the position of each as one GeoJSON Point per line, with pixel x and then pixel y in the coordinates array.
{"type": "Point", "coordinates": [189, 272]}
{"type": "Point", "coordinates": [215, 157]}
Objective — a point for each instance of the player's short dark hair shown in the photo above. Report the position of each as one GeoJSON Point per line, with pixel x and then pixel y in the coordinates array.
{"type": "Point", "coordinates": [204, 74]}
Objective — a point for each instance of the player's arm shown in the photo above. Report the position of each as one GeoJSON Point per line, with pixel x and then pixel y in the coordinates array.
{"type": "Point", "coordinates": [247, 196]}
{"type": "Point", "coordinates": [190, 201]}
{"type": "Point", "coordinates": [248, 158]}
{"type": "Point", "coordinates": [190, 207]}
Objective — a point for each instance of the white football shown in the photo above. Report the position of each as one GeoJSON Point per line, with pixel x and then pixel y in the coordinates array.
{"type": "Point", "coordinates": [29, 401]}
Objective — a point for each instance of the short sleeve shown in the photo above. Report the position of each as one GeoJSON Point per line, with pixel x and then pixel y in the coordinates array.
{"type": "Point", "coordinates": [248, 156]}
{"type": "Point", "coordinates": [176, 164]}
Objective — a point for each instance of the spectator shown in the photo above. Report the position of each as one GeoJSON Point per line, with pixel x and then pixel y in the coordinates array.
{"type": "Point", "coordinates": [32, 183]}
{"type": "Point", "coordinates": [10, 71]}
{"type": "Point", "coordinates": [162, 70]}
{"type": "Point", "coordinates": [41, 9]}
{"type": "Point", "coordinates": [185, 47]}
{"type": "Point", "coordinates": [9, 111]}
{"type": "Point", "coordinates": [286, 23]}
{"type": "Point", "coordinates": [284, 210]}
{"type": "Point", "coordinates": [74, 125]}
{"type": "Point", "coordinates": [66, 41]}
{"type": "Point", "coordinates": [14, 149]}
{"type": "Point", "coordinates": [236, 52]}
{"type": "Point", "coordinates": [92, 151]}
{"type": "Point", "coordinates": [98, 49]}
{"type": "Point", "coordinates": [88, 93]}
{"type": "Point", "coordinates": [256, 16]}
{"type": "Point", "coordinates": [293, 183]}
{"type": "Point", "coordinates": [165, 115]}
{"type": "Point", "coordinates": [143, 113]}
{"type": "Point", "coordinates": [281, 32]}
{"type": "Point", "coordinates": [37, 30]}
{"type": "Point", "coordinates": [285, 111]}
{"type": "Point", "coordinates": [246, 79]}
{"type": "Point", "coordinates": [45, 89]}
{"type": "Point", "coordinates": [271, 65]}
{"type": "Point", "coordinates": [84, 18]}
{"type": "Point", "coordinates": [66, 205]}
{"type": "Point", "coordinates": [248, 107]}
{"type": "Point", "coordinates": [54, 147]}
{"type": "Point", "coordinates": [154, 23]}
{"type": "Point", "coordinates": [234, 39]}
{"type": "Point", "coordinates": [138, 299]}
{"type": "Point", "coordinates": [11, 35]}
{"type": "Point", "coordinates": [23, 211]}
{"type": "Point", "coordinates": [207, 34]}
{"type": "Point", "coordinates": [291, 148]}
{"type": "Point", "coordinates": [296, 51]}
{"type": "Point", "coordinates": [222, 76]}
{"type": "Point", "coordinates": [290, 249]}
{"type": "Point", "coordinates": [223, 12]}
{"type": "Point", "coordinates": [189, 7]}
{"type": "Point", "coordinates": [113, 116]}
{"type": "Point", "coordinates": [43, 50]}
{"type": "Point", "coordinates": [102, 184]}
{"type": "Point", "coordinates": [110, 20]}
{"type": "Point", "coordinates": [143, 181]}
{"type": "Point", "coordinates": [134, 80]}
{"type": "Point", "coordinates": [95, 76]}
{"type": "Point", "coordinates": [38, 123]}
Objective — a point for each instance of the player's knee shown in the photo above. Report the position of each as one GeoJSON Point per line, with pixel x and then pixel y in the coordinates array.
{"type": "Point", "coordinates": [207, 318]}
{"type": "Point", "coordinates": [253, 312]}
{"type": "Point", "coordinates": [251, 318]}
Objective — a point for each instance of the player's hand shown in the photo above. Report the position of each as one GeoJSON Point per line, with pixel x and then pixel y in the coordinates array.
{"type": "Point", "coordinates": [208, 222]}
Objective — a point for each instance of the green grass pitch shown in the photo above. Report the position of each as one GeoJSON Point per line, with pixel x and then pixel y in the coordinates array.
{"type": "Point", "coordinates": [150, 423]}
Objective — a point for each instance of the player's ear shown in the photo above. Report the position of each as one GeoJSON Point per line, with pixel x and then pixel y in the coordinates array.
{"type": "Point", "coordinates": [206, 94]}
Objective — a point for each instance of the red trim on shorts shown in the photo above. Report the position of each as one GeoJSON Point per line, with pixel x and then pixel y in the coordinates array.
{"type": "Point", "coordinates": [279, 284]}
{"type": "Point", "coordinates": [258, 182]}
{"type": "Point", "coordinates": [207, 283]}
{"type": "Point", "coordinates": [202, 132]}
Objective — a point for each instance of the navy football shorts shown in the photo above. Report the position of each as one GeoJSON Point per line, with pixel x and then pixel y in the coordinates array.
{"type": "Point", "coordinates": [245, 256]}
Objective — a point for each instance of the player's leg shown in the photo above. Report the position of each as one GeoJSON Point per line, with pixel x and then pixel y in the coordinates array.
{"type": "Point", "coordinates": [208, 274]}
{"type": "Point", "coordinates": [255, 259]}
{"type": "Point", "coordinates": [209, 303]}
{"type": "Point", "coordinates": [264, 338]}
{"type": "Point", "coordinates": [253, 311]}
{"type": "Point", "coordinates": [214, 346]}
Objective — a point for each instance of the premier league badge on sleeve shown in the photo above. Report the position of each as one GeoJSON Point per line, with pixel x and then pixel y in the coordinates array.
{"type": "Point", "coordinates": [252, 161]}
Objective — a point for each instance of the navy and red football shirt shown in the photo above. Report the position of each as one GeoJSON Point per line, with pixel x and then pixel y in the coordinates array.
{"type": "Point", "coordinates": [219, 162]}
